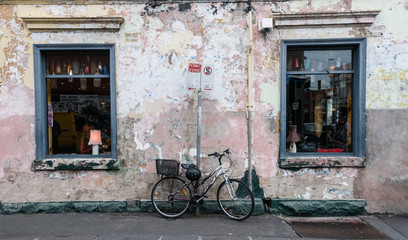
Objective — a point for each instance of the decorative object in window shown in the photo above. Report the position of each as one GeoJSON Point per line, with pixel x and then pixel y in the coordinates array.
{"type": "Point", "coordinates": [95, 141]}
{"type": "Point", "coordinates": [292, 138]}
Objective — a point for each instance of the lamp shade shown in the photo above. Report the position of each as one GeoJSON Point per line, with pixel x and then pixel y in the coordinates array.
{"type": "Point", "coordinates": [95, 137]}
{"type": "Point", "coordinates": [293, 137]}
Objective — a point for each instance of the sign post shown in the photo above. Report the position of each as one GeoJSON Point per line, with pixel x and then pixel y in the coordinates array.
{"type": "Point", "coordinates": [201, 77]}
{"type": "Point", "coordinates": [199, 128]}
{"type": "Point", "coordinates": [194, 74]}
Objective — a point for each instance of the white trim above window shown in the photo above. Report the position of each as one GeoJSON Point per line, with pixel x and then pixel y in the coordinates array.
{"type": "Point", "coordinates": [324, 19]}
{"type": "Point", "coordinates": [47, 24]}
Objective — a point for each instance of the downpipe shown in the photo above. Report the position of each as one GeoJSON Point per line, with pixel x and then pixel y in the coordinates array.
{"type": "Point", "coordinates": [249, 90]}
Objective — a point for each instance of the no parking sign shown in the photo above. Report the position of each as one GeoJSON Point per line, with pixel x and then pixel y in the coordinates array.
{"type": "Point", "coordinates": [207, 78]}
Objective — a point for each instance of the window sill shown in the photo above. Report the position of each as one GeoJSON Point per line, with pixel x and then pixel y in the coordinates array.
{"type": "Point", "coordinates": [55, 164]}
{"type": "Point", "coordinates": [323, 161]}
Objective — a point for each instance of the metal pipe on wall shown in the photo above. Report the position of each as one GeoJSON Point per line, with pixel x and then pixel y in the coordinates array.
{"type": "Point", "coordinates": [249, 90]}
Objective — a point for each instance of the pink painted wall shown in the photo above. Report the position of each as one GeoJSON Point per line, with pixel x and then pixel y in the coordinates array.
{"type": "Point", "coordinates": [155, 113]}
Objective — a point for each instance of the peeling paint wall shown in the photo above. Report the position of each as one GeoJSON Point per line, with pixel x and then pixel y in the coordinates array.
{"type": "Point", "coordinates": [155, 112]}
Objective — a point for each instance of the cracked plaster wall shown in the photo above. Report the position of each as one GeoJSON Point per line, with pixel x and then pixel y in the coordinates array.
{"type": "Point", "coordinates": [155, 111]}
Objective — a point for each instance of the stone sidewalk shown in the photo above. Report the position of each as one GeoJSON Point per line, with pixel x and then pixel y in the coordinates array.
{"type": "Point", "coordinates": [141, 226]}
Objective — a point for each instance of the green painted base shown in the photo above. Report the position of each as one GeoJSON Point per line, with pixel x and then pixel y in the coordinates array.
{"type": "Point", "coordinates": [209, 206]}
{"type": "Point", "coordinates": [62, 207]}
{"type": "Point", "coordinates": [257, 191]}
{"type": "Point", "coordinates": [287, 207]}
{"type": "Point", "coordinates": [316, 208]}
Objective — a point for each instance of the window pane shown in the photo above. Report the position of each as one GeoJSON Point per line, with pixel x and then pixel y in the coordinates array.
{"type": "Point", "coordinates": [77, 105]}
{"type": "Point", "coordinates": [319, 60]}
{"type": "Point", "coordinates": [319, 109]}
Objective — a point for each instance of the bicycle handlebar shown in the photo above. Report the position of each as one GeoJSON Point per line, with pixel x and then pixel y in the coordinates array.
{"type": "Point", "coordinates": [217, 154]}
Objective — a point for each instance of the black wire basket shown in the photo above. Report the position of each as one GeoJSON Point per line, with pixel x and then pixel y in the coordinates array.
{"type": "Point", "coordinates": [167, 167]}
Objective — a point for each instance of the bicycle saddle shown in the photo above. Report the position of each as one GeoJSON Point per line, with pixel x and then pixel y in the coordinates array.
{"type": "Point", "coordinates": [187, 166]}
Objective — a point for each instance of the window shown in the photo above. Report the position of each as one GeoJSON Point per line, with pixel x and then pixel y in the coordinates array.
{"type": "Point", "coordinates": [75, 93]}
{"type": "Point", "coordinates": [322, 102]}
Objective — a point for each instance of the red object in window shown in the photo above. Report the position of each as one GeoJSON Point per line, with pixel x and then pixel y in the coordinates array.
{"type": "Point", "coordinates": [330, 150]}
{"type": "Point", "coordinates": [87, 147]}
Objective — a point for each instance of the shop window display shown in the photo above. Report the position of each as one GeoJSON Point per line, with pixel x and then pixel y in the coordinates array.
{"type": "Point", "coordinates": [78, 90]}
{"type": "Point", "coordinates": [73, 97]}
{"type": "Point", "coordinates": [319, 103]}
{"type": "Point", "coordinates": [323, 99]}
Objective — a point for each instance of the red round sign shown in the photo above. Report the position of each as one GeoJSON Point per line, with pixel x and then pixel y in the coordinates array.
{"type": "Point", "coordinates": [207, 70]}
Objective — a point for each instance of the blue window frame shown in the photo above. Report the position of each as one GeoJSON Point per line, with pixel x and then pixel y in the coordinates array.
{"type": "Point", "coordinates": [67, 77]}
{"type": "Point", "coordinates": [322, 117]}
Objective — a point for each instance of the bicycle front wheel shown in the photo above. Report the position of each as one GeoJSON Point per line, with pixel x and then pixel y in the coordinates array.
{"type": "Point", "coordinates": [171, 197]}
{"type": "Point", "coordinates": [235, 199]}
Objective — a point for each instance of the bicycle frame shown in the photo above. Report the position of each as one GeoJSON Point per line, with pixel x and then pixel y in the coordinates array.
{"type": "Point", "coordinates": [219, 170]}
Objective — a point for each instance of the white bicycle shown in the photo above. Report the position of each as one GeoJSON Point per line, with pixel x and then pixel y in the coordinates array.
{"type": "Point", "coordinates": [171, 196]}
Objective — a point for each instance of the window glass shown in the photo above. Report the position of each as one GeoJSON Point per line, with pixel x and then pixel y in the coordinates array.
{"type": "Point", "coordinates": [319, 106]}
{"type": "Point", "coordinates": [78, 96]}
{"type": "Point", "coordinates": [319, 60]}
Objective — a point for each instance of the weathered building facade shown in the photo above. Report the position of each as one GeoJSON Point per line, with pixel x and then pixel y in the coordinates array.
{"type": "Point", "coordinates": [325, 67]}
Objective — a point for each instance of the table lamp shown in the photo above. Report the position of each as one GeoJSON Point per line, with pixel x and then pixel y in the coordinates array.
{"type": "Point", "coordinates": [95, 140]}
{"type": "Point", "coordinates": [292, 138]}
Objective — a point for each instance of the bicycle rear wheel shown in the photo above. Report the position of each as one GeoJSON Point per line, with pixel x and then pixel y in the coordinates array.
{"type": "Point", "coordinates": [235, 199]}
{"type": "Point", "coordinates": [171, 197]}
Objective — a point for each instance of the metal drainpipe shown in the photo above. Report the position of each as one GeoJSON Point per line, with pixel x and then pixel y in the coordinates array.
{"type": "Point", "coordinates": [249, 89]}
